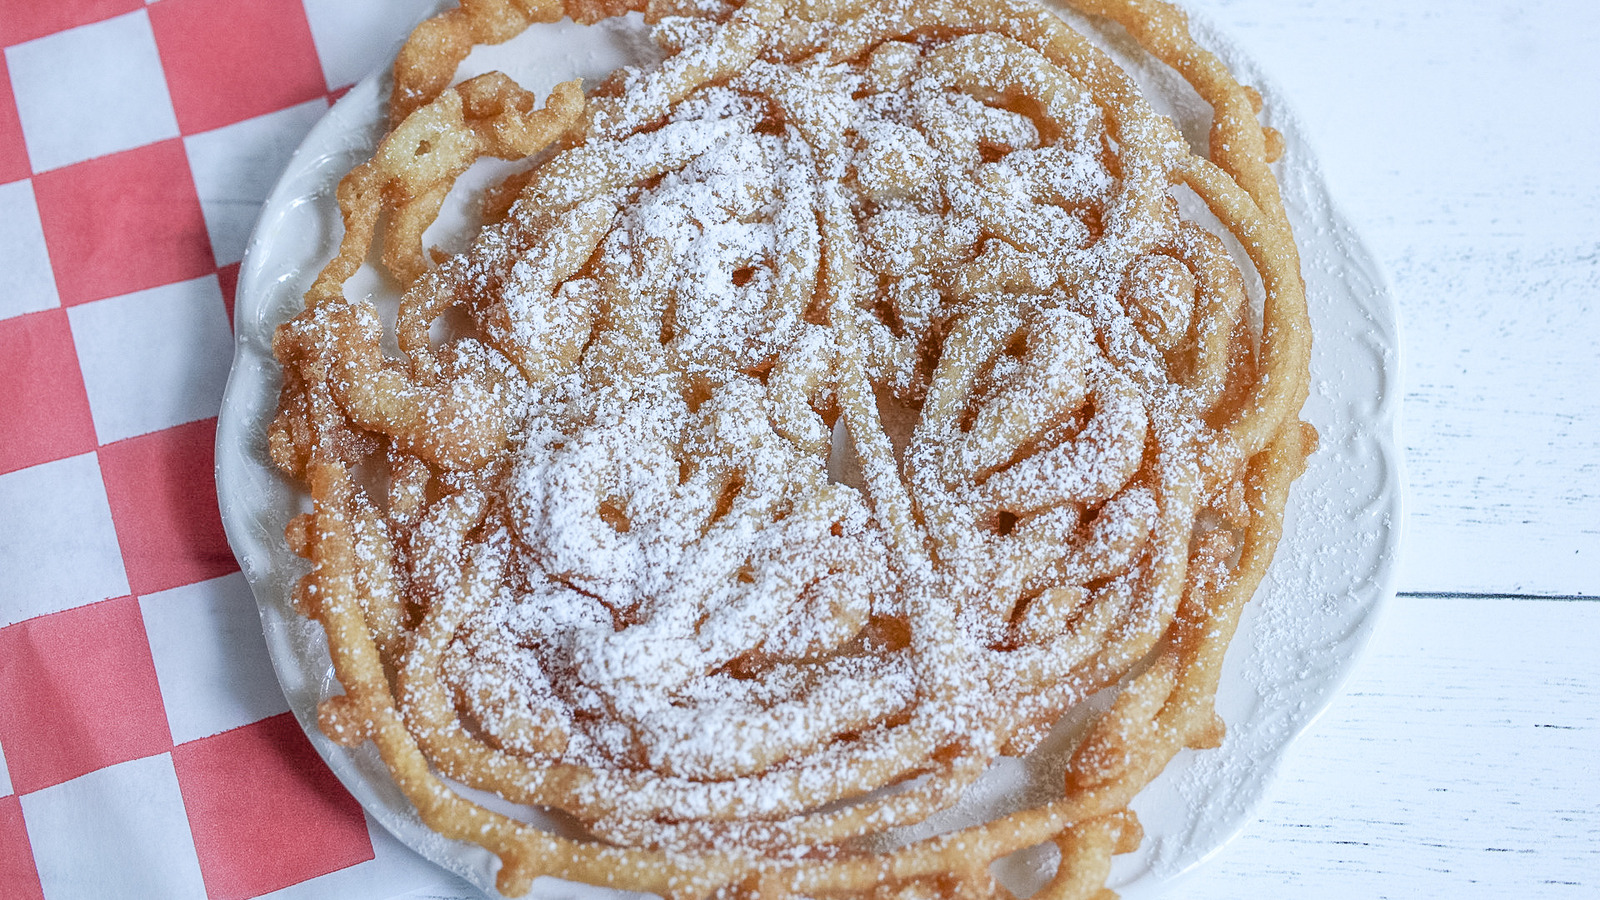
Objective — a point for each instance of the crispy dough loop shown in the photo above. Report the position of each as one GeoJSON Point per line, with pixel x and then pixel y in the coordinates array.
{"type": "Point", "coordinates": [822, 413]}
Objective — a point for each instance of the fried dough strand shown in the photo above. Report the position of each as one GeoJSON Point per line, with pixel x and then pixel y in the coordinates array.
{"type": "Point", "coordinates": [837, 404]}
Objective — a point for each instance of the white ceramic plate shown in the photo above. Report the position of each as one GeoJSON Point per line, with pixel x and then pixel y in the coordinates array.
{"type": "Point", "coordinates": [1297, 642]}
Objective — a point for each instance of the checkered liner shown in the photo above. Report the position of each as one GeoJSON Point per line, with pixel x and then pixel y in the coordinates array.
{"type": "Point", "coordinates": [145, 747]}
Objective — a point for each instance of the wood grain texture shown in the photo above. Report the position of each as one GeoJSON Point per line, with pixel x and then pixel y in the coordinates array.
{"type": "Point", "coordinates": [1462, 141]}
{"type": "Point", "coordinates": [1462, 761]}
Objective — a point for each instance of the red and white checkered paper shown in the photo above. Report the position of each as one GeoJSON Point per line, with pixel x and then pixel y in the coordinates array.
{"type": "Point", "coordinates": [145, 747]}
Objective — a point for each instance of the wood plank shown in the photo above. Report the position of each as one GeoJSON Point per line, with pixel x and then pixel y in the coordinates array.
{"type": "Point", "coordinates": [1460, 139]}
{"type": "Point", "coordinates": [1462, 761]}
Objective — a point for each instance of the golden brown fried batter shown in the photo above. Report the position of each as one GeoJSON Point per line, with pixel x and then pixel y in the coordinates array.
{"type": "Point", "coordinates": [837, 403]}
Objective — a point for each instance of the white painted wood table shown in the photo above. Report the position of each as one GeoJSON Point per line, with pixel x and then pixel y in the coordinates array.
{"type": "Point", "coordinates": [1462, 141]}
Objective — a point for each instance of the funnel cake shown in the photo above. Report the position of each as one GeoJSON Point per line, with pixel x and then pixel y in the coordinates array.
{"type": "Point", "coordinates": [822, 413]}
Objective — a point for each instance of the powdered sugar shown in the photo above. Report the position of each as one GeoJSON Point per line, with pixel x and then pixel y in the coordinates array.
{"type": "Point", "coordinates": [915, 300]}
{"type": "Point", "coordinates": [689, 592]}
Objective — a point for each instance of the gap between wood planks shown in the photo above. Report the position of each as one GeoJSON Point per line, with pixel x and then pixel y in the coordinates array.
{"type": "Point", "coordinates": [1490, 595]}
